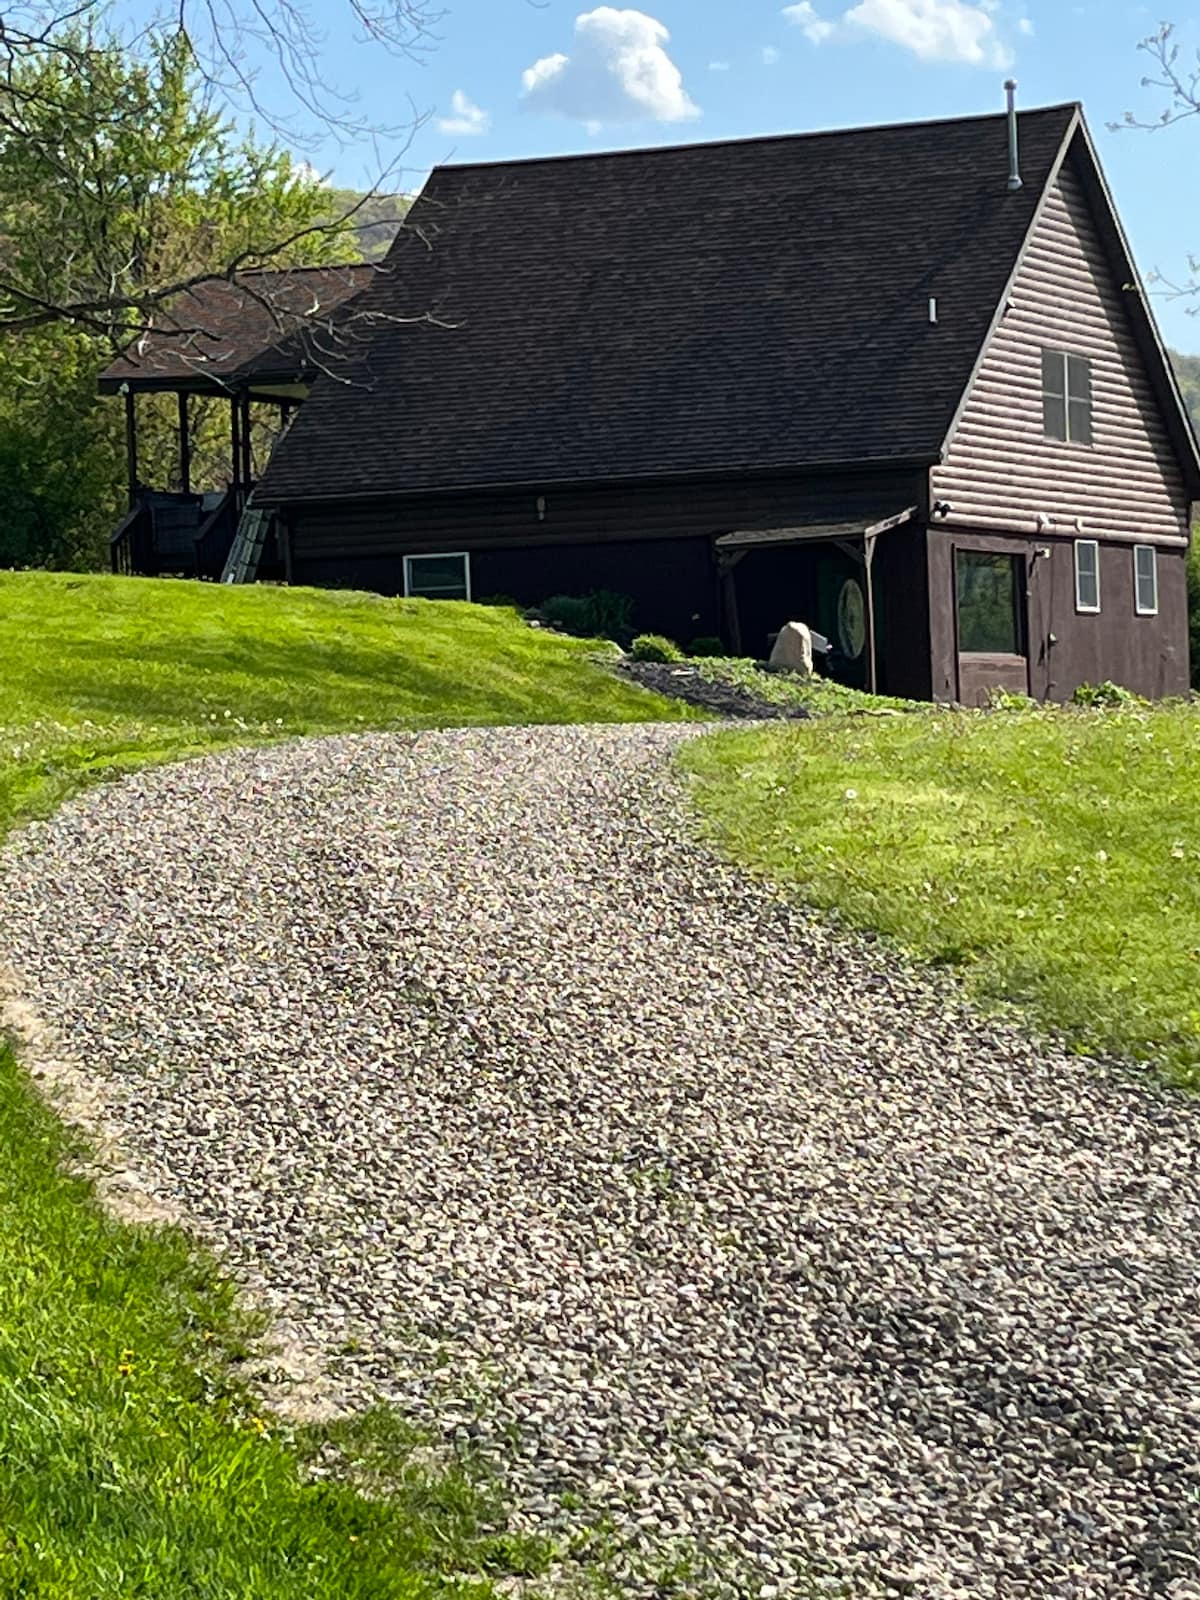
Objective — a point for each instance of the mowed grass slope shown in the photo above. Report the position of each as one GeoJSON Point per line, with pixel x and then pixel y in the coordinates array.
{"type": "Point", "coordinates": [1053, 855]}
{"type": "Point", "coordinates": [131, 1461]}
{"type": "Point", "coordinates": [101, 674]}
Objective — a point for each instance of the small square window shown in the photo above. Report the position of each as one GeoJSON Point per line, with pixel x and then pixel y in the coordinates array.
{"type": "Point", "coordinates": [1087, 575]}
{"type": "Point", "coordinates": [1145, 580]}
{"type": "Point", "coordinates": [1066, 397]}
{"type": "Point", "coordinates": [438, 577]}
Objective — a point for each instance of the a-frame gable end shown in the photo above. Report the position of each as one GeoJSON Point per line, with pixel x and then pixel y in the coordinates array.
{"type": "Point", "coordinates": [1074, 289]}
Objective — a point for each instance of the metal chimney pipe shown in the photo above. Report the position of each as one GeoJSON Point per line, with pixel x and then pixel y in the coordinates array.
{"type": "Point", "coordinates": [1014, 158]}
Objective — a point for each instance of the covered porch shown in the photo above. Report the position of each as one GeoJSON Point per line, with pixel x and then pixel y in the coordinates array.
{"type": "Point", "coordinates": [837, 578]}
{"type": "Point", "coordinates": [245, 347]}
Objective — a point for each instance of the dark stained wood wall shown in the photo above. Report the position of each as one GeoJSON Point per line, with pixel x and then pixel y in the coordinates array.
{"type": "Point", "coordinates": [652, 541]}
{"type": "Point", "coordinates": [1146, 654]}
{"type": "Point", "coordinates": [1000, 471]}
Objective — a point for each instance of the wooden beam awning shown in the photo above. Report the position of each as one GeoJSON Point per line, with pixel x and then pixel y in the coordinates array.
{"type": "Point", "coordinates": [814, 532]}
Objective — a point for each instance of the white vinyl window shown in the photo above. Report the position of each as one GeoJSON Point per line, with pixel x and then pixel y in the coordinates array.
{"type": "Point", "coordinates": [1087, 575]}
{"type": "Point", "coordinates": [438, 577]}
{"type": "Point", "coordinates": [1066, 396]}
{"type": "Point", "coordinates": [1145, 580]}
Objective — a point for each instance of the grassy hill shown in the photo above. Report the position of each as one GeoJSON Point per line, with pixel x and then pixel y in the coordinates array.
{"type": "Point", "coordinates": [102, 674]}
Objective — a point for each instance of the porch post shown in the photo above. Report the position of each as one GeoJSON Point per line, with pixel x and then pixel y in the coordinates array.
{"type": "Point", "coordinates": [247, 459]}
{"type": "Point", "coordinates": [729, 606]}
{"type": "Point", "coordinates": [131, 445]}
{"type": "Point", "coordinates": [235, 445]}
{"type": "Point", "coordinates": [868, 564]}
{"type": "Point", "coordinates": [185, 445]}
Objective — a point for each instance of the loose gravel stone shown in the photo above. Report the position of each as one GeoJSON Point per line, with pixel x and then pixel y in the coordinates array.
{"type": "Point", "coordinates": [681, 1208]}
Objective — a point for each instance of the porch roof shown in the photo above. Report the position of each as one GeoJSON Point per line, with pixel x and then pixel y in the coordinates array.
{"type": "Point", "coordinates": [236, 333]}
{"type": "Point", "coordinates": [814, 532]}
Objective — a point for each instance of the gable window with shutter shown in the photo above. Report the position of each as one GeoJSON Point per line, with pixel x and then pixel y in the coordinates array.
{"type": "Point", "coordinates": [1066, 397]}
{"type": "Point", "coordinates": [1145, 580]}
{"type": "Point", "coordinates": [1087, 575]}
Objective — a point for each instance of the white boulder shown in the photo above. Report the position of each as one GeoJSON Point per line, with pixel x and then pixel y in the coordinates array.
{"type": "Point", "coordinates": [793, 649]}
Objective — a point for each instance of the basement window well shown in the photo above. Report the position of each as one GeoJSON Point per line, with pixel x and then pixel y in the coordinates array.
{"type": "Point", "coordinates": [438, 577]}
{"type": "Point", "coordinates": [1066, 397]}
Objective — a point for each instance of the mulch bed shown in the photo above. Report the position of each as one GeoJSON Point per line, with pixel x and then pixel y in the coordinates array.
{"type": "Point", "coordinates": [679, 681]}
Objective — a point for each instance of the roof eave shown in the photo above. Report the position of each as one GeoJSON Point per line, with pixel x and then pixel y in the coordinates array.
{"type": "Point", "coordinates": [917, 463]}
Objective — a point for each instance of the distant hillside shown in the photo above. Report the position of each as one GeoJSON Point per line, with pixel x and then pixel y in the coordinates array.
{"type": "Point", "coordinates": [376, 220]}
{"type": "Point", "coordinates": [1187, 370]}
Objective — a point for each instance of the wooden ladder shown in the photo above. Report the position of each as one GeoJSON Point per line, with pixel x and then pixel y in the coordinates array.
{"type": "Point", "coordinates": [246, 550]}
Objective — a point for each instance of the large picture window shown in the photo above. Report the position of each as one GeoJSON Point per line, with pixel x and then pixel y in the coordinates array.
{"type": "Point", "coordinates": [988, 603]}
{"type": "Point", "coordinates": [1067, 396]}
{"type": "Point", "coordinates": [438, 577]}
{"type": "Point", "coordinates": [1087, 575]}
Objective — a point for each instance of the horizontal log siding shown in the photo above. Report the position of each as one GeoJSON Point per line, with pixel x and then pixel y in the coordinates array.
{"type": "Point", "coordinates": [1001, 471]}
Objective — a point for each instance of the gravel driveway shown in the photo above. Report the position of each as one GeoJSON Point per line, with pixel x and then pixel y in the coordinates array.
{"type": "Point", "coordinates": [697, 1217]}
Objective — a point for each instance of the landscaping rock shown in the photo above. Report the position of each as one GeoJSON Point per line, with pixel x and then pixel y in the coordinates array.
{"type": "Point", "coordinates": [741, 1251]}
{"type": "Point", "coordinates": [793, 649]}
{"type": "Point", "coordinates": [689, 684]}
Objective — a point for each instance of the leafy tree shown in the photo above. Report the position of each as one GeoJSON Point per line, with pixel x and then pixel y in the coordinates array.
{"type": "Point", "coordinates": [114, 179]}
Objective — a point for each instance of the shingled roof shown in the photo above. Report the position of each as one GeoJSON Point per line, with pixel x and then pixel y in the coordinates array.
{"type": "Point", "coordinates": [252, 326]}
{"type": "Point", "coordinates": [717, 307]}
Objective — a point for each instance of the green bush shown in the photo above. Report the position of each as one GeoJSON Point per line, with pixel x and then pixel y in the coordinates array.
{"type": "Point", "coordinates": [599, 615]}
{"type": "Point", "coordinates": [569, 612]}
{"type": "Point", "coordinates": [706, 645]}
{"type": "Point", "coordinates": [611, 615]}
{"type": "Point", "coordinates": [1105, 694]}
{"type": "Point", "coordinates": [653, 647]}
{"type": "Point", "coordinates": [1193, 584]}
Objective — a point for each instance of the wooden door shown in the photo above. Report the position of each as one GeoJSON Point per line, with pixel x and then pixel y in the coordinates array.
{"type": "Point", "coordinates": [991, 624]}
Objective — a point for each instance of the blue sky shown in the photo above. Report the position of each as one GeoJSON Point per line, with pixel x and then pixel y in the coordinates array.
{"type": "Point", "coordinates": [511, 78]}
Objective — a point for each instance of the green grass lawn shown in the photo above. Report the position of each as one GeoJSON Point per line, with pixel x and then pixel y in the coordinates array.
{"type": "Point", "coordinates": [131, 1462]}
{"type": "Point", "coordinates": [102, 674]}
{"type": "Point", "coordinates": [1054, 856]}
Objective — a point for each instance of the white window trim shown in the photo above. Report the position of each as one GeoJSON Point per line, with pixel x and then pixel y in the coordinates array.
{"type": "Point", "coordinates": [1079, 606]}
{"type": "Point", "coordinates": [437, 555]}
{"type": "Point", "coordinates": [1139, 608]}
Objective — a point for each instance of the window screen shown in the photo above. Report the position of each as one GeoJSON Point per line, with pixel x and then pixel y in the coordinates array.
{"type": "Point", "coordinates": [988, 614]}
{"type": "Point", "coordinates": [1087, 575]}
{"type": "Point", "coordinates": [440, 577]}
{"type": "Point", "coordinates": [1067, 396]}
{"type": "Point", "coordinates": [1145, 580]}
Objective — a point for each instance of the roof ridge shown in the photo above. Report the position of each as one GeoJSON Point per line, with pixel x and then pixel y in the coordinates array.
{"type": "Point", "coordinates": [756, 138]}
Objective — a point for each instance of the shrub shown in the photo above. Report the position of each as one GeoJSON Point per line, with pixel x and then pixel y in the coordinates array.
{"type": "Point", "coordinates": [567, 611]}
{"type": "Point", "coordinates": [599, 615]}
{"type": "Point", "coordinates": [706, 645]}
{"type": "Point", "coordinates": [1006, 700]}
{"type": "Point", "coordinates": [611, 615]}
{"type": "Point", "coordinates": [653, 647]}
{"type": "Point", "coordinates": [1105, 694]}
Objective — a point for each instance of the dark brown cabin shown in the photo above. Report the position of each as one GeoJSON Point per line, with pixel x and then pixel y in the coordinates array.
{"type": "Point", "coordinates": [863, 379]}
{"type": "Point", "coordinates": [254, 341]}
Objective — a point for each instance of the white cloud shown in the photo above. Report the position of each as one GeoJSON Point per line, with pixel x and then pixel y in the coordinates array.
{"type": "Point", "coordinates": [618, 71]}
{"type": "Point", "coordinates": [1026, 27]}
{"type": "Point", "coordinates": [934, 30]}
{"type": "Point", "coordinates": [814, 28]}
{"type": "Point", "coordinates": [770, 55]}
{"type": "Point", "coordinates": [467, 116]}
{"type": "Point", "coordinates": [718, 66]}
